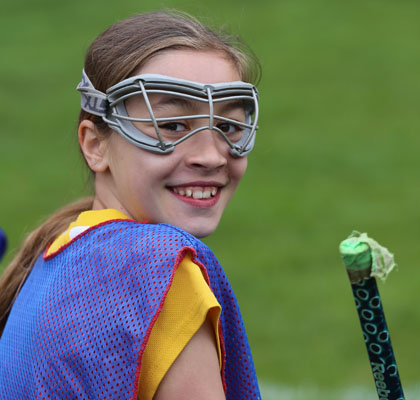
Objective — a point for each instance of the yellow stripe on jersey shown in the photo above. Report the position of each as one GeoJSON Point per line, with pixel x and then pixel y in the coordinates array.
{"type": "Point", "coordinates": [188, 303]}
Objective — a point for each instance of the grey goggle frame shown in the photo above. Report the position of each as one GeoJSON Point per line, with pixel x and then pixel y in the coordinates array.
{"type": "Point", "coordinates": [111, 107]}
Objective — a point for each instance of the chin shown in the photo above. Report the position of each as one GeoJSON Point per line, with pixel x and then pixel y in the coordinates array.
{"type": "Point", "coordinates": [199, 230]}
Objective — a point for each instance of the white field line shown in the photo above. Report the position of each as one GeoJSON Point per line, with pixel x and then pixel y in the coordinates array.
{"type": "Point", "coordinates": [271, 391]}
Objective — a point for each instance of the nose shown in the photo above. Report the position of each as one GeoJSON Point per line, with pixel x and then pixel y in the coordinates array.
{"type": "Point", "coordinates": [206, 150]}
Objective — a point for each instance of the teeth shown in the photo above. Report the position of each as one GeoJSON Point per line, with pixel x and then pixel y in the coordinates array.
{"type": "Point", "coordinates": [197, 193]}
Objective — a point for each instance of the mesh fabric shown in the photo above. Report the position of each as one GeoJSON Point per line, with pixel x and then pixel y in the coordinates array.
{"type": "Point", "coordinates": [82, 319]}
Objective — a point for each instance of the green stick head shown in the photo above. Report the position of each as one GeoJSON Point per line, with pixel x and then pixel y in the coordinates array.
{"type": "Point", "coordinates": [357, 259]}
{"type": "Point", "coordinates": [364, 257]}
{"type": "Point", "coordinates": [355, 254]}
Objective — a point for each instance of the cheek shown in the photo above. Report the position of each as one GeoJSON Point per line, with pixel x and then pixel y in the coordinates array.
{"type": "Point", "coordinates": [129, 162]}
{"type": "Point", "coordinates": [238, 168]}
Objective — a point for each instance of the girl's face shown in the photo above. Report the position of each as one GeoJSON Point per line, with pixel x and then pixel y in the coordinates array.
{"type": "Point", "coordinates": [189, 187]}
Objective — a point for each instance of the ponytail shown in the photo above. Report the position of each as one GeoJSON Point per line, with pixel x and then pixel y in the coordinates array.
{"type": "Point", "coordinates": [36, 242]}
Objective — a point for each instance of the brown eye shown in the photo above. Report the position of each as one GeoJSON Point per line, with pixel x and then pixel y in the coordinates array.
{"type": "Point", "coordinates": [233, 132]}
{"type": "Point", "coordinates": [229, 128]}
{"type": "Point", "coordinates": [174, 126]}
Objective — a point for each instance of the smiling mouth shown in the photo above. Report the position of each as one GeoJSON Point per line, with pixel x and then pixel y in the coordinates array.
{"type": "Point", "coordinates": [197, 192]}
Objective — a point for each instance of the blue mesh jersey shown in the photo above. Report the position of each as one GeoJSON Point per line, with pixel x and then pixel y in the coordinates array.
{"type": "Point", "coordinates": [82, 319]}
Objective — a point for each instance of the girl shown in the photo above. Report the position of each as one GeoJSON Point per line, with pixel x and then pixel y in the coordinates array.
{"type": "Point", "coordinates": [114, 297]}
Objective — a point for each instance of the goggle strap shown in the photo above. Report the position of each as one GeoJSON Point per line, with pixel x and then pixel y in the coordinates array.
{"type": "Point", "coordinates": [92, 100]}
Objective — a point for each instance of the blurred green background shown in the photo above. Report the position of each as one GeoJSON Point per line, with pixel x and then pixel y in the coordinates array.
{"type": "Point", "coordinates": [337, 150]}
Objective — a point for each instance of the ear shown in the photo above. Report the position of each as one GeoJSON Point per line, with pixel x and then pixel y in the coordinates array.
{"type": "Point", "coordinates": [93, 146]}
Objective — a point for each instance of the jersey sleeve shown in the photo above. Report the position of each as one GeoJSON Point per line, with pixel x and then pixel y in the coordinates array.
{"type": "Point", "coordinates": [188, 303]}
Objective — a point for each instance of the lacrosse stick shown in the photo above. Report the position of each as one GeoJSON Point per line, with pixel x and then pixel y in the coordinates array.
{"type": "Point", "coordinates": [366, 260]}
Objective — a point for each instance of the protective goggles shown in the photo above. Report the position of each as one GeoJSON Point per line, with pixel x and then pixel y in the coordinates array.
{"type": "Point", "coordinates": [157, 112]}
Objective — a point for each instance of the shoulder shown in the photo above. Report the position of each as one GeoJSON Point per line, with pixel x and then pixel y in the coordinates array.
{"type": "Point", "coordinates": [128, 239]}
{"type": "Point", "coordinates": [152, 233]}
{"type": "Point", "coordinates": [130, 229]}
{"type": "Point", "coordinates": [129, 236]}
{"type": "Point", "coordinates": [122, 227]}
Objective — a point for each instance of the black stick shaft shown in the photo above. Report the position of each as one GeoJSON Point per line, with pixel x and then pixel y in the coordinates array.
{"type": "Point", "coordinates": [377, 340]}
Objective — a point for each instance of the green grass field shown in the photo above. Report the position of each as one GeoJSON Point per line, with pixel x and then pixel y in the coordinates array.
{"type": "Point", "coordinates": [337, 150]}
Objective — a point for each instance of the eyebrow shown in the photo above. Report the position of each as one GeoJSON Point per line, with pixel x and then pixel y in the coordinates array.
{"type": "Point", "coordinates": [232, 105]}
{"type": "Point", "coordinates": [192, 106]}
{"type": "Point", "coordinates": [168, 101]}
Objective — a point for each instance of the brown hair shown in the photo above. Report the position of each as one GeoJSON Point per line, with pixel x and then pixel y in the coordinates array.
{"type": "Point", "coordinates": [113, 56]}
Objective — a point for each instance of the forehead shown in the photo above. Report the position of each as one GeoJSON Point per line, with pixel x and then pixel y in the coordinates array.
{"type": "Point", "coordinates": [199, 66]}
